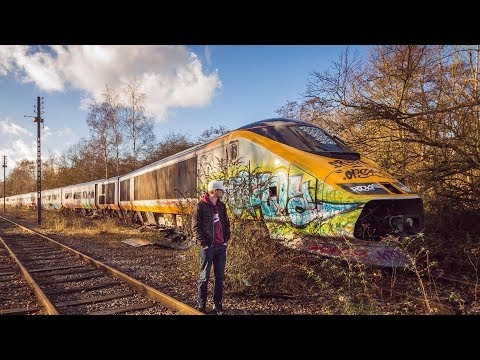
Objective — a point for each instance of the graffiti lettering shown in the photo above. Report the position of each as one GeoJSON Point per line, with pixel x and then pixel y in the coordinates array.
{"type": "Point", "coordinates": [280, 197]}
{"type": "Point", "coordinates": [389, 256]}
{"type": "Point", "coordinates": [366, 188]}
{"type": "Point", "coordinates": [292, 197]}
{"type": "Point", "coordinates": [301, 207]}
{"type": "Point", "coordinates": [334, 250]}
{"type": "Point", "coordinates": [360, 173]}
{"type": "Point", "coordinates": [272, 206]}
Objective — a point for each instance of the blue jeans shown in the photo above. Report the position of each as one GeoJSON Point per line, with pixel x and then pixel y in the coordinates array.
{"type": "Point", "coordinates": [217, 256]}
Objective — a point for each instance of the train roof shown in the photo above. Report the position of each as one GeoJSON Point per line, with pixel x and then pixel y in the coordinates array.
{"type": "Point", "coordinates": [273, 122]}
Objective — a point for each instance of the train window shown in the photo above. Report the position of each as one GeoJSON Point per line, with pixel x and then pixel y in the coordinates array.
{"type": "Point", "coordinates": [90, 194]}
{"type": "Point", "coordinates": [110, 193]}
{"type": "Point", "coordinates": [84, 194]}
{"type": "Point", "coordinates": [125, 190]}
{"type": "Point", "coordinates": [233, 150]}
{"type": "Point", "coordinates": [169, 182]}
{"type": "Point", "coordinates": [307, 138]}
{"type": "Point", "coordinates": [317, 134]}
{"type": "Point", "coordinates": [317, 140]}
{"type": "Point", "coordinates": [403, 187]}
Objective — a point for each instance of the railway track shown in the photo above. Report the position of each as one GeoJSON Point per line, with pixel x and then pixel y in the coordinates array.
{"type": "Point", "coordinates": [39, 275]}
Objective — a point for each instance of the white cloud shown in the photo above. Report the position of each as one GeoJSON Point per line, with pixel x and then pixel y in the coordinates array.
{"type": "Point", "coordinates": [8, 128]}
{"type": "Point", "coordinates": [172, 76]}
{"type": "Point", "coordinates": [18, 143]}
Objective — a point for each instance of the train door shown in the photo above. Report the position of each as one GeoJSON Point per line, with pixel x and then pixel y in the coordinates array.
{"type": "Point", "coordinates": [91, 197]}
{"type": "Point", "coordinates": [96, 195]}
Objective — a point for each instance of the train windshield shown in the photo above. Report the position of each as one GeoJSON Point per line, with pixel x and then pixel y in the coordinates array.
{"type": "Point", "coordinates": [305, 137]}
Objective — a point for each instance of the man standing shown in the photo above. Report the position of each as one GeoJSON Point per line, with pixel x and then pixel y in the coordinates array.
{"type": "Point", "coordinates": [211, 230]}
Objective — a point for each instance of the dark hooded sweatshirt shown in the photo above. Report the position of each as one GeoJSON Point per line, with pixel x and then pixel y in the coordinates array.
{"type": "Point", "coordinates": [210, 222]}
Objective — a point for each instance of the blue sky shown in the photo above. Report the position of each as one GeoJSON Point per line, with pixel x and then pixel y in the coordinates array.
{"type": "Point", "coordinates": [188, 88]}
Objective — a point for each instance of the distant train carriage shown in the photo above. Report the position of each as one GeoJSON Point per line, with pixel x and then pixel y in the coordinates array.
{"type": "Point", "coordinates": [80, 197]}
{"type": "Point", "coordinates": [10, 201]}
{"type": "Point", "coordinates": [52, 199]}
{"type": "Point", "coordinates": [161, 192]}
{"type": "Point", "coordinates": [107, 195]}
{"type": "Point", "coordinates": [28, 201]}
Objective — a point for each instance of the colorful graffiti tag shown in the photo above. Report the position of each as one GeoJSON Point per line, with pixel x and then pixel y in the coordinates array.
{"type": "Point", "coordinates": [281, 196]}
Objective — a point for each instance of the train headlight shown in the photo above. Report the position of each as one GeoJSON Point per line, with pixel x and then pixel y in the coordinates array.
{"type": "Point", "coordinates": [396, 222]}
{"type": "Point", "coordinates": [408, 223]}
{"type": "Point", "coordinates": [400, 223]}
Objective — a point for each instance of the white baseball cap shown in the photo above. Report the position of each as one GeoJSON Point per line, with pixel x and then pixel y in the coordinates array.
{"type": "Point", "coordinates": [216, 185]}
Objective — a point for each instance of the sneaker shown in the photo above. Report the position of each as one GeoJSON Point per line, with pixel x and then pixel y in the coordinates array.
{"type": "Point", "coordinates": [200, 308]}
{"type": "Point", "coordinates": [219, 310]}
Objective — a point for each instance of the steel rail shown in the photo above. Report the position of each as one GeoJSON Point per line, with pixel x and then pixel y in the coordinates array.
{"type": "Point", "coordinates": [141, 287]}
{"type": "Point", "coordinates": [48, 307]}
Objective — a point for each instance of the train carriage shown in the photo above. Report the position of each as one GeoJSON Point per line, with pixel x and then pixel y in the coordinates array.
{"type": "Point", "coordinates": [52, 199]}
{"type": "Point", "coordinates": [312, 192]}
{"type": "Point", "coordinates": [107, 196]}
{"type": "Point", "coordinates": [28, 201]}
{"type": "Point", "coordinates": [10, 201]}
{"type": "Point", "coordinates": [162, 192]}
{"type": "Point", "coordinates": [80, 197]}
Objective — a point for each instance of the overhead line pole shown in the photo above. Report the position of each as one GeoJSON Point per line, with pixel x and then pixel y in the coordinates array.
{"type": "Point", "coordinates": [38, 120]}
{"type": "Point", "coordinates": [4, 167]}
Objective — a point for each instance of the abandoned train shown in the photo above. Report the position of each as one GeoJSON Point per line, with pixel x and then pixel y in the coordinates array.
{"type": "Point", "coordinates": [312, 192]}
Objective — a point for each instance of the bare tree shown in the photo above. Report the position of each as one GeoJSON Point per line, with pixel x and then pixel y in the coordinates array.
{"type": "Point", "coordinates": [105, 129]}
{"type": "Point", "coordinates": [99, 131]}
{"type": "Point", "coordinates": [211, 133]}
{"type": "Point", "coordinates": [49, 172]}
{"type": "Point", "coordinates": [22, 178]}
{"type": "Point", "coordinates": [170, 144]}
{"type": "Point", "coordinates": [112, 107]}
{"type": "Point", "coordinates": [139, 126]}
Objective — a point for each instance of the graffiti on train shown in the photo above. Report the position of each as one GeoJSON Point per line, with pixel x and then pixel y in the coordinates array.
{"type": "Point", "coordinates": [282, 197]}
